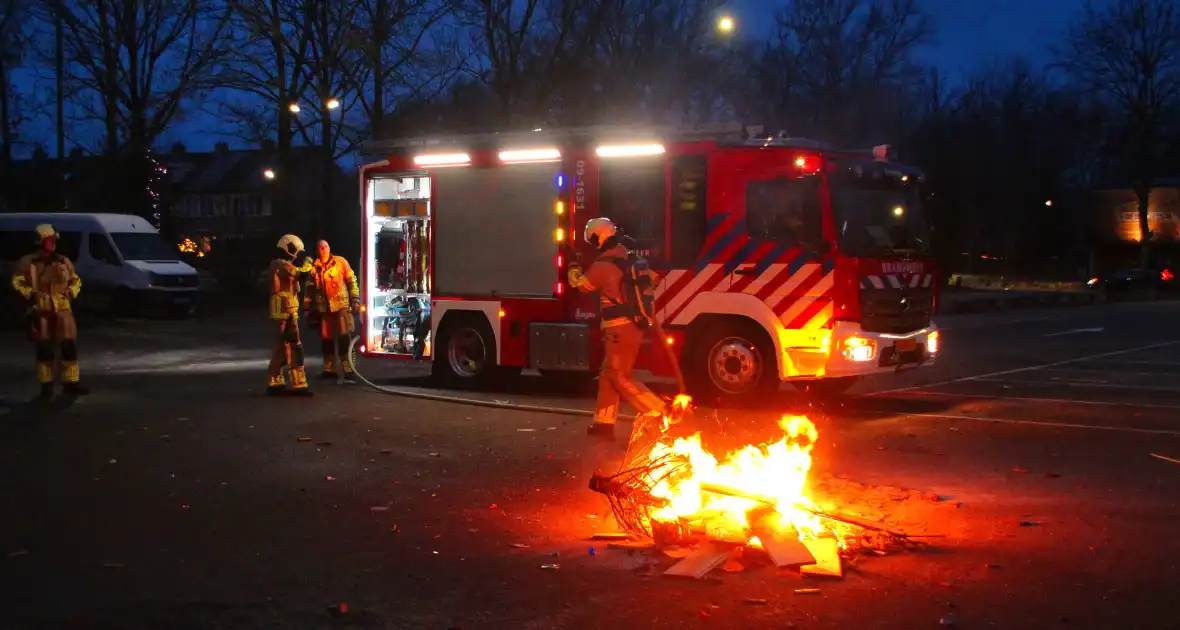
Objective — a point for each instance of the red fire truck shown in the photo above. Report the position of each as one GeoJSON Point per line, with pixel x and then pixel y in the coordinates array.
{"type": "Point", "coordinates": [781, 259]}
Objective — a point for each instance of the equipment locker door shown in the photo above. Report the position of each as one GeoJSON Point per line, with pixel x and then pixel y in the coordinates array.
{"type": "Point", "coordinates": [781, 261]}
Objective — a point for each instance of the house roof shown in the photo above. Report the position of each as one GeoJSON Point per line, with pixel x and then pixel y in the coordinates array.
{"type": "Point", "coordinates": [232, 170]}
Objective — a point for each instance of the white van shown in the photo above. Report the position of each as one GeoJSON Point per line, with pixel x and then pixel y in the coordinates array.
{"type": "Point", "coordinates": [124, 263]}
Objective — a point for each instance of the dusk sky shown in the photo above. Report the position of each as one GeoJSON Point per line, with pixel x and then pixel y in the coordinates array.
{"type": "Point", "coordinates": [969, 34]}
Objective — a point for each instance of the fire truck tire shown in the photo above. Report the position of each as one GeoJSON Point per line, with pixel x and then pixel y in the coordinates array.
{"type": "Point", "coordinates": [826, 388]}
{"type": "Point", "coordinates": [731, 361]}
{"type": "Point", "coordinates": [466, 353]}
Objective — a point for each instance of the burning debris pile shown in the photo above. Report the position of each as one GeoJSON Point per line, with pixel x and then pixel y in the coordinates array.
{"type": "Point", "coordinates": [676, 494]}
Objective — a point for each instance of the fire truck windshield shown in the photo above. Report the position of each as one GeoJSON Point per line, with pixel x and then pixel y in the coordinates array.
{"type": "Point", "coordinates": [878, 215]}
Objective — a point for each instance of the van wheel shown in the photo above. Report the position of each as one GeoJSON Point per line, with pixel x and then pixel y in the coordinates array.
{"type": "Point", "coordinates": [465, 355]}
{"type": "Point", "coordinates": [731, 361]}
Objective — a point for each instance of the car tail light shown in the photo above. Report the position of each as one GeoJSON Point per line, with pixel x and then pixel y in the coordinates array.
{"type": "Point", "coordinates": [1166, 275]}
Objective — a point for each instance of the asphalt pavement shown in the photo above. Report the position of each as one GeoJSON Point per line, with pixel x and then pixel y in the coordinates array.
{"type": "Point", "coordinates": [179, 496]}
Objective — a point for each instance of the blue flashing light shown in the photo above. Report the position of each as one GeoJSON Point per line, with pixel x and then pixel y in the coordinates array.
{"type": "Point", "coordinates": [561, 181]}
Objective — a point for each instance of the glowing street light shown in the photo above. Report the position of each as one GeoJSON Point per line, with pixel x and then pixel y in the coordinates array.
{"type": "Point", "coordinates": [332, 103]}
{"type": "Point", "coordinates": [268, 173]}
{"type": "Point", "coordinates": [1049, 203]}
{"type": "Point", "coordinates": [725, 24]}
{"type": "Point", "coordinates": [294, 108]}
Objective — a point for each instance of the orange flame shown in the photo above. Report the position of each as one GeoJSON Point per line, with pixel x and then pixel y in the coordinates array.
{"type": "Point", "coordinates": [696, 485]}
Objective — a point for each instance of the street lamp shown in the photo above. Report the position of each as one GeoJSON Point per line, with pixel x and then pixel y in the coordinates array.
{"type": "Point", "coordinates": [332, 103]}
{"type": "Point", "coordinates": [294, 108]}
{"type": "Point", "coordinates": [725, 24]}
{"type": "Point", "coordinates": [268, 173]}
{"type": "Point", "coordinates": [1049, 203]}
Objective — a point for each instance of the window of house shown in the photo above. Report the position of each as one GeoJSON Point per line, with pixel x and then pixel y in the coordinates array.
{"type": "Point", "coordinates": [239, 205]}
{"type": "Point", "coordinates": [220, 206]}
{"type": "Point", "coordinates": [101, 249]}
{"type": "Point", "coordinates": [785, 210]}
{"type": "Point", "coordinates": [192, 207]}
{"type": "Point", "coordinates": [258, 208]}
{"type": "Point", "coordinates": [206, 206]}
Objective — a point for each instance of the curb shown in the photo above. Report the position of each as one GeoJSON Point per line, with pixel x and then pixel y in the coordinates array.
{"type": "Point", "coordinates": [989, 303]}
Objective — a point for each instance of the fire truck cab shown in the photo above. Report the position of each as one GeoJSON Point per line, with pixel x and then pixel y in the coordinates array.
{"type": "Point", "coordinates": [781, 259]}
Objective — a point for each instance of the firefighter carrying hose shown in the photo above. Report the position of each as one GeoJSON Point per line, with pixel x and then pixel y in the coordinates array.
{"type": "Point", "coordinates": [625, 288]}
{"type": "Point", "coordinates": [48, 281]}
{"type": "Point", "coordinates": [286, 270]}
{"type": "Point", "coordinates": [332, 298]}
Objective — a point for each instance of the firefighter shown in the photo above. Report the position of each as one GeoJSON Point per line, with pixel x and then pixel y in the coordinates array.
{"type": "Point", "coordinates": [624, 320]}
{"type": "Point", "coordinates": [48, 281]}
{"type": "Point", "coordinates": [286, 271]}
{"type": "Point", "coordinates": [332, 298]}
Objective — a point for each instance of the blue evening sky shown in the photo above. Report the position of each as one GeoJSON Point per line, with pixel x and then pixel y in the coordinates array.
{"type": "Point", "coordinates": [970, 33]}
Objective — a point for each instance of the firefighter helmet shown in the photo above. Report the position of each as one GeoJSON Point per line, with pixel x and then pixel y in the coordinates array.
{"type": "Point", "coordinates": [599, 231]}
{"type": "Point", "coordinates": [44, 231]}
{"type": "Point", "coordinates": [291, 244]}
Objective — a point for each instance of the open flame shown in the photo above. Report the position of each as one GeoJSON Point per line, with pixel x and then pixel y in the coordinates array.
{"type": "Point", "coordinates": [695, 485]}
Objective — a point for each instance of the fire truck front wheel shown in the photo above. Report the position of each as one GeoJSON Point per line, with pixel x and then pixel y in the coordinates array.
{"type": "Point", "coordinates": [466, 352]}
{"type": "Point", "coordinates": [730, 361]}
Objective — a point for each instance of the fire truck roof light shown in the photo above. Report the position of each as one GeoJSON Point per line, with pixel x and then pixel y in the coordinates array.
{"type": "Point", "coordinates": [442, 159]}
{"type": "Point", "coordinates": [629, 150]}
{"type": "Point", "coordinates": [519, 156]}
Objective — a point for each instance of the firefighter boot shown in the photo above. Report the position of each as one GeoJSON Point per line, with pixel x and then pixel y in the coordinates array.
{"type": "Point", "coordinates": [602, 431]}
{"type": "Point", "coordinates": [46, 392]}
{"type": "Point", "coordinates": [299, 382]}
{"type": "Point", "coordinates": [329, 354]}
{"type": "Point", "coordinates": [345, 367]}
{"type": "Point", "coordinates": [277, 385]}
{"type": "Point", "coordinates": [70, 376]}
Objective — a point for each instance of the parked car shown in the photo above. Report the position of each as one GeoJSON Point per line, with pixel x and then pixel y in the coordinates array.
{"type": "Point", "coordinates": [1133, 279]}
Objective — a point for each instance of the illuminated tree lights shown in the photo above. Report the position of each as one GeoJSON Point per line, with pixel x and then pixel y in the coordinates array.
{"type": "Point", "coordinates": [156, 182]}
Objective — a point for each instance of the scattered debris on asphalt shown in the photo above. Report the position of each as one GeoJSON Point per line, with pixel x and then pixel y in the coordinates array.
{"type": "Point", "coordinates": [551, 567]}
{"type": "Point", "coordinates": [807, 591]}
{"type": "Point", "coordinates": [303, 439]}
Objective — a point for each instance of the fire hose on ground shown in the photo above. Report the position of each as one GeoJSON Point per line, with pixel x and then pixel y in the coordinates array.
{"type": "Point", "coordinates": [406, 392]}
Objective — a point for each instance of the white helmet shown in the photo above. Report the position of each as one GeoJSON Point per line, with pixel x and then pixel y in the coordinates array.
{"type": "Point", "coordinates": [599, 231]}
{"type": "Point", "coordinates": [291, 244]}
{"type": "Point", "coordinates": [44, 231]}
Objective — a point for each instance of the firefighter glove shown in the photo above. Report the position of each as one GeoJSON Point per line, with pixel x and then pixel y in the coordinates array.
{"type": "Point", "coordinates": [354, 304]}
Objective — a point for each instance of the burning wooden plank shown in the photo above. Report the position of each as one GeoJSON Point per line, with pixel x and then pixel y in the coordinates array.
{"type": "Point", "coordinates": [827, 558]}
{"type": "Point", "coordinates": [699, 563]}
{"type": "Point", "coordinates": [785, 550]}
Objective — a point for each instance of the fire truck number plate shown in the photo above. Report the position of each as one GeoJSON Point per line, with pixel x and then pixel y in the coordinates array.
{"type": "Point", "coordinates": [906, 345]}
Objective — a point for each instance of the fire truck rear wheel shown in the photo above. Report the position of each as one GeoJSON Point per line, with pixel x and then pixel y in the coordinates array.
{"type": "Point", "coordinates": [467, 352]}
{"type": "Point", "coordinates": [731, 361]}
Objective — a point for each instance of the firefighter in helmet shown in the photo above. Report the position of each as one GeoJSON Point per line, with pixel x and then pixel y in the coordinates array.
{"type": "Point", "coordinates": [624, 320]}
{"type": "Point", "coordinates": [286, 271]}
{"type": "Point", "coordinates": [47, 280]}
{"type": "Point", "coordinates": [332, 299]}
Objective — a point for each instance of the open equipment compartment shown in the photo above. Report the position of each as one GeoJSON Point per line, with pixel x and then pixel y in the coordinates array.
{"type": "Point", "coordinates": [398, 230]}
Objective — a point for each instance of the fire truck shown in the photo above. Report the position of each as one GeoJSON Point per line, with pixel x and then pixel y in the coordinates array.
{"type": "Point", "coordinates": [781, 259]}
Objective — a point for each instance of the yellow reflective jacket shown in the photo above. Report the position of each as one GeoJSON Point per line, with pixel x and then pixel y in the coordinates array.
{"type": "Point", "coordinates": [333, 286]}
{"type": "Point", "coordinates": [284, 288]}
{"type": "Point", "coordinates": [51, 277]}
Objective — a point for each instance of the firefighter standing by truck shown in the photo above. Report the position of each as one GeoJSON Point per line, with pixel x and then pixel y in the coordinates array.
{"type": "Point", "coordinates": [48, 281]}
{"type": "Point", "coordinates": [625, 287]}
{"type": "Point", "coordinates": [332, 298]}
{"type": "Point", "coordinates": [286, 272]}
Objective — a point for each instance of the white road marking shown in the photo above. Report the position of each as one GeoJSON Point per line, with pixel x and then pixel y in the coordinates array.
{"type": "Point", "coordinates": [1075, 331]}
{"type": "Point", "coordinates": [1057, 382]}
{"type": "Point", "coordinates": [1106, 371]}
{"type": "Point", "coordinates": [1171, 363]}
{"type": "Point", "coordinates": [1043, 423]}
{"type": "Point", "coordinates": [1030, 368]}
{"type": "Point", "coordinates": [1039, 399]}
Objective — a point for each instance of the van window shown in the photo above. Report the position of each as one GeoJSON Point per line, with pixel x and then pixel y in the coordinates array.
{"type": "Point", "coordinates": [145, 246]}
{"type": "Point", "coordinates": [68, 245]}
{"type": "Point", "coordinates": [101, 250]}
{"type": "Point", "coordinates": [785, 210]}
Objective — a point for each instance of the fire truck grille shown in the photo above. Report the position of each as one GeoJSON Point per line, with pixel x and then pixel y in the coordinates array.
{"type": "Point", "coordinates": [895, 311]}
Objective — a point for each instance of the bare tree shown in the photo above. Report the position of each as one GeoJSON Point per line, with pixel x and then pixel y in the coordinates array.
{"type": "Point", "coordinates": [14, 18]}
{"type": "Point", "coordinates": [849, 62]}
{"type": "Point", "coordinates": [141, 61]}
{"type": "Point", "coordinates": [1127, 53]}
{"type": "Point", "coordinates": [399, 54]}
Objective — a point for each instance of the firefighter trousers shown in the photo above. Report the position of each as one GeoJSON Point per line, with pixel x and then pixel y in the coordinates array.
{"type": "Point", "coordinates": [55, 335]}
{"type": "Point", "coordinates": [335, 335]}
{"type": "Point", "coordinates": [621, 345]}
{"type": "Point", "coordinates": [287, 352]}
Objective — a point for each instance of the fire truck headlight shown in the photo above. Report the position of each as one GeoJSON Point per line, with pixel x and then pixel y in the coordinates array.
{"type": "Point", "coordinates": [932, 342]}
{"type": "Point", "coordinates": [859, 349]}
